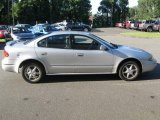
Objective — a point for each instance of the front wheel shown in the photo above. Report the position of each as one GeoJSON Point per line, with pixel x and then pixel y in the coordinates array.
{"type": "Point", "coordinates": [149, 29]}
{"type": "Point", "coordinates": [32, 73]}
{"type": "Point", "coordinates": [129, 71]}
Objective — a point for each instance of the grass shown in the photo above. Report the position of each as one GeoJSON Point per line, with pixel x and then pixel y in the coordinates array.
{"type": "Point", "coordinates": [142, 34]}
{"type": "Point", "coordinates": [5, 40]}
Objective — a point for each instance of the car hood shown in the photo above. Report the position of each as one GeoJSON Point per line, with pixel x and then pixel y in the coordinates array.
{"type": "Point", "coordinates": [125, 52]}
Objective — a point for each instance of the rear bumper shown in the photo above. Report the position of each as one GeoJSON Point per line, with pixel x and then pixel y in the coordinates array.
{"type": "Point", "coordinates": [8, 65]}
{"type": "Point", "coordinates": [9, 68]}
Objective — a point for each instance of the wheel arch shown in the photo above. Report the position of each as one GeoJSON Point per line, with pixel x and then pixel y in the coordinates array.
{"type": "Point", "coordinates": [31, 61]}
{"type": "Point", "coordinates": [130, 59]}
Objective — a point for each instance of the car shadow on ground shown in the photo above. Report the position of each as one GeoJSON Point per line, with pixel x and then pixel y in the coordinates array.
{"type": "Point", "coordinates": [154, 75]}
{"type": "Point", "coordinates": [79, 78]}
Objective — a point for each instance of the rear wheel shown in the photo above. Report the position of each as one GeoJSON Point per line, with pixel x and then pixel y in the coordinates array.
{"type": "Point", "coordinates": [129, 71]}
{"type": "Point", "coordinates": [33, 73]}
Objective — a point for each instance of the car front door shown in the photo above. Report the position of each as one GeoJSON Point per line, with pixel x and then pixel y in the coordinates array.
{"type": "Point", "coordinates": [55, 52]}
{"type": "Point", "coordinates": [88, 56]}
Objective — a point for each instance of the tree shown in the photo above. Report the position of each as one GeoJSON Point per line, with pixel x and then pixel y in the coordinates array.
{"type": "Point", "coordinates": [148, 9]}
{"type": "Point", "coordinates": [115, 10]}
{"type": "Point", "coordinates": [5, 11]}
{"type": "Point", "coordinates": [30, 11]}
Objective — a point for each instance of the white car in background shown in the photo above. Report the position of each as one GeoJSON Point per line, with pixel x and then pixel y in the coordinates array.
{"type": "Point", "coordinates": [59, 26]}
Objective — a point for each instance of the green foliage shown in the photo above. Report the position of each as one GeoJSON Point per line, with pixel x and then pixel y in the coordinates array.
{"type": "Point", "coordinates": [115, 10]}
{"type": "Point", "coordinates": [146, 9]}
{"type": "Point", "coordinates": [142, 34]}
{"type": "Point", "coordinates": [30, 11]}
{"type": "Point", "coordinates": [5, 8]}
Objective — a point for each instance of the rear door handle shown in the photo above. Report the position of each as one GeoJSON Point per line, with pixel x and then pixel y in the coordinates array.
{"type": "Point", "coordinates": [45, 53]}
{"type": "Point", "coordinates": [80, 54]}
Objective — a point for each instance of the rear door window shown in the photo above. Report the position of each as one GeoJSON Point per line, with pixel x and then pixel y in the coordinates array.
{"type": "Point", "coordinates": [57, 41]}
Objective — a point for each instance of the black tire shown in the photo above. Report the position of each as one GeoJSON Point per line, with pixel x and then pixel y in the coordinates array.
{"type": "Point", "coordinates": [35, 71]}
{"type": "Point", "coordinates": [127, 73]}
{"type": "Point", "coordinates": [149, 29]}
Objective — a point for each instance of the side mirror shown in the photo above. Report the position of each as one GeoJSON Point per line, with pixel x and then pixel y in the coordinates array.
{"type": "Point", "coordinates": [103, 48]}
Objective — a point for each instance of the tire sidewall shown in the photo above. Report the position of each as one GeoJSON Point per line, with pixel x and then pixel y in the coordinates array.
{"type": "Point", "coordinates": [42, 73]}
{"type": "Point", "coordinates": [121, 68]}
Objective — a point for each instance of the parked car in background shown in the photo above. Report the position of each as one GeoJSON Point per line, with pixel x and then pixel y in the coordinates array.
{"type": "Point", "coordinates": [74, 53]}
{"type": "Point", "coordinates": [156, 26]}
{"type": "Point", "coordinates": [78, 27]}
{"type": "Point", "coordinates": [24, 25]}
{"type": "Point", "coordinates": [119, 24]}
{"type": "Point", "coordinates": [4, 31]}
{"type": "Point", "coordinates": [43, 29]}
{"type": "Point", "coordinates": [146, 25]}
{"type": "Point", "coordinates": [21, 33]}
{"type": "Point", "coordinates": [134, 25]}
{"type": "Point", "coordinates": [127, 24]}
{"type": "Point", "coordinates": [59, 26]}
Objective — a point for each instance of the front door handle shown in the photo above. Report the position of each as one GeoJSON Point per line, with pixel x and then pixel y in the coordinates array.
{"type": "Point", "coordinates": [80, 54]}
{"type": "Point", "coordinates": [45, 53]}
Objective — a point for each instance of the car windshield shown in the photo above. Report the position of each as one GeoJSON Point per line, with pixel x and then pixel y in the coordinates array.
{"type": "Point", "coordinates": [111, 45]}
{"type": "Point", "coordinates": [20, 30]}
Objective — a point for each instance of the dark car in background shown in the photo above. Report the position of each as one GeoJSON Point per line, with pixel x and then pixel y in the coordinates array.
{"type": "Point", "coordinates": [21, 33]}
{"type": "Point", "coordinates": [78, 27]}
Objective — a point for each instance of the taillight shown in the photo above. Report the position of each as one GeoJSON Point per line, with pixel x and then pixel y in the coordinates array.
{"type": "Point", "coordinates": [6, 54]}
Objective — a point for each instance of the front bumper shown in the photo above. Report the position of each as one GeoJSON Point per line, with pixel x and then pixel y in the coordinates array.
{"type": "Point", "coordinates": [148, 66]}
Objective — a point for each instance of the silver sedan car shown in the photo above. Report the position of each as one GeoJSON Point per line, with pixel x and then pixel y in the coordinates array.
{"type": "Point", "coordinates": [71, 53]}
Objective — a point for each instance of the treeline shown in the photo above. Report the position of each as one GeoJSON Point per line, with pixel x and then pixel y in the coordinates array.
{"type": "Point", "coordinates": [30, 11]}
{"type": "Point", "coordinates": [110, 12]}
{"type": "Point", "coordinates": [146, 9]}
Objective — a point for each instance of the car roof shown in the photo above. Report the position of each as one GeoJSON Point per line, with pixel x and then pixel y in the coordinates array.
{"type": "Point", "coordinates": [69, 32]}
{"type": "Point", "coordinates": [64, 32]}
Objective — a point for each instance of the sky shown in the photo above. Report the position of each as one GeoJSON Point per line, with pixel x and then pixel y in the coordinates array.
{"type": "Point", "coordinates": [96, 3]}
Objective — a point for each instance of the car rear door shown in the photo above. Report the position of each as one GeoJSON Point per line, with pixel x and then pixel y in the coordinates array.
{"type": "Point", "coordinates": [88, 56]}
{"type": "Point", "coordinates": [55, 52]}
